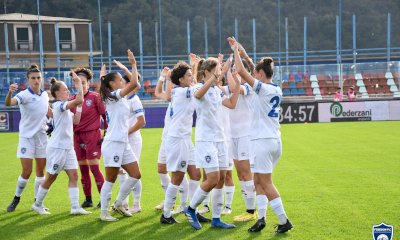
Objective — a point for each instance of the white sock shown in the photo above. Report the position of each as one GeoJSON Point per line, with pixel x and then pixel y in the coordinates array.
{"type": "Point", "coordinates": [38, 182]}
{"type": "Point", "coordinates": [277, 206]}
{"type": "Point", "coordinates": [74, 197]}
{"type": "Point", "coordinates": [125, 189]}
{"type": "Point", "coordinates": [207, 199]}
{"type": "Point", "coordinates": [262, 202]}
{"type": "Point", "coordinates": [170, 197]}
{"type": "Point", "coordinates": [105, 196]}
{"type": "Point", "coordinates": [41, 194]}
{"type": "Point", "coordinates": [243, 191]}
{"type": "Point", "coordinates": [198, 197]}
{"type": "Point", "coordinates": [183, 191]}
{"type": "Point", "coordinates": [250, 195]}
{"type": "Point", "coordinates": [217, 202]}
{"type": "Point", "coordinates": [193, 185]}
{"type": "Point", "coordinates": [137, 193]}
{"type": "Point", "coordinates": [165, 180]}
{"type": "Point", "coordinates": [229, 191]}
{"type": "Point", "coordinates": [122, 178]}
{"type": "Point", "coordinates": [21, 184]}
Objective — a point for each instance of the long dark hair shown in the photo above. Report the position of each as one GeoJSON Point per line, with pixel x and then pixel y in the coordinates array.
{"type": "Point", "coordinates": [105, 88]}
{"type": "Point", "coordinates": [265, 64]}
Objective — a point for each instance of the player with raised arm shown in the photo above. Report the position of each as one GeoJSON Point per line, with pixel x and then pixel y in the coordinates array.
{"type": "Point", "coordinates": [265, 147]}
{"type": "Point", "coordinates": [34, 105]}
{"type": "Point", "coordinates": [116, 149]}
{"type": "Point", "coordinates": [60, 149]}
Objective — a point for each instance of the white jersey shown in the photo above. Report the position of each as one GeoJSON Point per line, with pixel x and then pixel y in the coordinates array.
{"type": "Point", "coordinates": [63, 133]}
{"type": "Point", "coordinates": [226, 122]}
{"type": "Point", "coordinates": [266, 103]}
{"type": "Point", "coordinates": [167, 120]}
{"type": "Point", "coordinates": [240, 116]}
{"type": "Point", "coordinates": [136, 110]}
{"type": "Point", "coordinates": [208, 109]}
{"type": "Point", "coordinates": [33, 109]}
{"type": "Point", "coordinates": [117, 113]}
{"type": "Point", "coordinates": [181, 112]}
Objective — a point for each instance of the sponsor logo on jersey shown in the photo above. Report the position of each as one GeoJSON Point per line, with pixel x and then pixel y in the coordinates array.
{"type": "Point", "coordinates": [382, 232]}
{"type": "Point", "coordinates": [55, 167]}
{"type": "Point", "coordinates": [89, 102]}
{"type": "Point", "coordinates": [116, 158]}
{"type": "Point", "coordinates": [208, 159]}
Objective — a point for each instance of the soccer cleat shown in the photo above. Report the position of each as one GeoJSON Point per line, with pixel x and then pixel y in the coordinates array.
{"type": "Point", "coordinates": [13, 205]}
{"type": "Point", "coordinates": [204, 209]}
{"type": "Point", "coordinates": [284, 227]}
{"type": "Point", "coordinates": [226, 211]}
{"type": "Point", "coordinates": [121, 210]}
{"type": "Point", "coordinates": [87, 204]}
{"type": "Point", "coordinates": [178, 210]}
{"type": "Point", "coordinates": [258, 226]}
{"type": "Point", "coordinates": [45, 208]}
{"type": "Point", "coordinates": [160, 206]}
{"type": "Point", "coordinates": [202, 219]}
{"type": "Point", "coordinates": [169, 220]}
{"type": "Point", "coordinates": [192, 218]}
{"type": "Point", "coordinates": [98, 205]}
{"type": "Point", "coordinates": [135, 209]}
{"type": "Point", "coordinates": [108, 218]}
{"type": "Point", "coordinates": [79, 211]}
{"type": "Point", "coordinates": [217, 223]}
{"type": "Point", "coordinates": [39, 209]}
{"type": "Point", "coordinates": [245, 217]}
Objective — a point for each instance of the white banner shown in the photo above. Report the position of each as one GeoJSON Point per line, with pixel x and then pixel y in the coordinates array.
{"type": "Point", "coordinates": [359, 111]}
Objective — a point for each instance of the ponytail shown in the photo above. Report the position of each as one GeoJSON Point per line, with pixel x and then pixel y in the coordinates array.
{"type": "Point", "coordinates": [265, 64]}
{"type": "Point", "coordinates": [105, 88]}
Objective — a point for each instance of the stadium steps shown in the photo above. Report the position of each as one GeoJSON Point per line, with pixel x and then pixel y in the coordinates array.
{"type": "Point", "coordinates": [361, 87]}
{"type": "Point", "coordinates": [315, 87]}
{"type": "Point", "coordinates": [392, 85]}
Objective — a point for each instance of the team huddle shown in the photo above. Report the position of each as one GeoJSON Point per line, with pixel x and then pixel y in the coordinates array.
{"type": "Point", "coordinates": [237, 124]}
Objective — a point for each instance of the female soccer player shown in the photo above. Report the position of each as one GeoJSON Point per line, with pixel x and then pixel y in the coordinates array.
{"type": "Point", "coordinates": [210, 147]}
{"type": "Point", "coordinates": [60, 151]}
{"type": "Point", "coordinates": [116, 149]}
{"type": "Point", "coordinates": [265, 146]}
{"type": "Point", "coordinates": [87, 136]}
{"type": "Point", "coordinates": [34, 105]}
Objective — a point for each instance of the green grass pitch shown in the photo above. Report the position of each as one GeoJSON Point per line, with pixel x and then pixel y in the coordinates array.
{"type": "Point", "coordinates": [336, 181]}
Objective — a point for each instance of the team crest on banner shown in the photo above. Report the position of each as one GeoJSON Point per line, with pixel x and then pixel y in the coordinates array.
{"type": "Point", "coordinates": [183, 164]}
{"type": "Point", "coordinates": [116, 158]}
{"type": "Point", "coordinates": [208, 159]}
{"type": "Point", "coordinates": [23, 150]}
{"type": "Point", "coordinates": [55, 167]}
{"type": "Point", "coordinates": [89, 102]}
{"type": "Point", "coordinates": [382, 232]}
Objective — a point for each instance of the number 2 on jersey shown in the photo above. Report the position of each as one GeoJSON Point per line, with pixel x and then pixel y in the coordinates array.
{"type": "Point", "coordinates": [276, 101]}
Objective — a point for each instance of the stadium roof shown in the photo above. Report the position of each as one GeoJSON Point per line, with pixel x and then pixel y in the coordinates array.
{"type": "Point", "coordinates": [20, 17]}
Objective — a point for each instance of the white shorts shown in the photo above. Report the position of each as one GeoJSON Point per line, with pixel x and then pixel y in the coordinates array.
{"type": "Point", "coordinates": [178, 154]}
{"type": "Point", "coordinates": [211, 155]}
{"type": "Point", "coordinates": [230, 159]}
{"type": "Point", "coordinates": [34, 147]}
{"type": "Point", "coordinates": [239, 148]}
{"type": "Point", "coordinates": [162, 156]}
{"type": "Point", "coordinates": [59, 159]}
{"type": "Point", "coordinates": [116, 154]}
{"type": "Point", "coordinates": [136, 145]}
{"type": "Point", "coordinates": [264, 154]}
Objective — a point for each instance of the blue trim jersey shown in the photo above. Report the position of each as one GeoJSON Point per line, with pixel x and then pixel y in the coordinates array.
{"type": "Point", "coordinates": [181, 112]}
{"type": "Point", "coordinates": [62, 135]}
{"type": "Point", "coordinates": [33, 109]}
{"type": "Point", "coordinates": [136, 110]}
{"type": "Point", "coordinates": [266, 110]}
{"type": "Point", "coordinates": [117, 113]}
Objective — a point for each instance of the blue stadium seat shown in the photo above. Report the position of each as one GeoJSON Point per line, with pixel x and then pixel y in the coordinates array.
{"type": "Point", "coordinates": [292, 85]}
{"type": "Point", "coordinates": [301, 91]}
{"type": "Point", "coordinates": [286, 92]}
{"type": "Point", "coordinates": [294, 91]}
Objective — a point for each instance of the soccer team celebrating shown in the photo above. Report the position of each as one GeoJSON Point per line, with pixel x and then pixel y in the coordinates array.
{"type": "Point", "coordinates": [237, 124]}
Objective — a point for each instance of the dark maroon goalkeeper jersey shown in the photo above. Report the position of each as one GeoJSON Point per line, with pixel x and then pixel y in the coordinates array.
{"type": "Point", "coordinates": [92, 109]}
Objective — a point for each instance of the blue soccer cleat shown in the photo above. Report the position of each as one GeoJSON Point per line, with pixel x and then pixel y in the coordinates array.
{"type": "Point", "coordinates": [192, 218]}
{"type": "Point", "coordinates": [217, 223]}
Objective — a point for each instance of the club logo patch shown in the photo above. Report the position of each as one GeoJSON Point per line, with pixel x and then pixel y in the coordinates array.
{"type": "Point", "coordinates": [208, 159]}
{"type": "Point", "coordinates": [183, 164]}
{"type": "Point", "coordinates": [382, 232]}
{"type": "Point", "coordinates": [89, 102]}
{"type": "Point", "coordinates": [116, 158]}
{"type": "Point", "coordinates": [23, 150]}
{"type": "Point", "coordinates": [55, 167]}
{"type": "Point", "coordinates": [95, 153]}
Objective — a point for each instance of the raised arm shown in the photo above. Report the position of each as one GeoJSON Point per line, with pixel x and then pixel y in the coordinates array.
{"type": "Point", "coordinates": [133, 75]}
{"type": "Point", "coordinates": [203, 90]}
{"type": "Point", "coordinates": [10, 101]}
{"type": "Point", "coordinates": [245, 56]}
{"type": "Point", "coordinates": [238, 62]}
{"type": "Point", "coordinates": [235, 87]}
{"type": "Point", "coordinates": [159, 92]}
{"type": "Point", "coordinates": [79, 96]}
